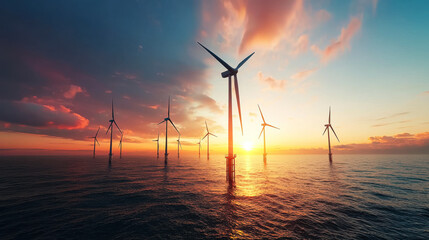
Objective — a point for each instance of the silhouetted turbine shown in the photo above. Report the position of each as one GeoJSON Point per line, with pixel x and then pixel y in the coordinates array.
{"type": "Point", "coordinates": [166, 120]}
{"type": "Point", "coordinates": [157, 146]}
{"type": "Point", "coordinates": [112, 121]}
{"type": "Point", "coordinates": [327, 126]}
{"type": "Point", "coordinates": [95, 141]}
{"type": "Point", "coordinates": [120, 147]}
{"type": "Point", "coordinates": [208, 140]}
{"type": "Point", "coordinates": [199, 148]}
{"type": "Point", "coordinates": [179, 144]}
{"type": "Point", "coordinates": [264, 124]}
{"type": "Point", "coordinates": [228, 74]}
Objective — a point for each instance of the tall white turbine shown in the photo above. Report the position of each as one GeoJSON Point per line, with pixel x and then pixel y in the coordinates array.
{"type": "Point", "coordinates": [112, 121]}
{"type": "Point", "coordinates": [327, 126]}
{"type": "Point", "coordinates": [95, 141]}
{"type": "Point", "coordinates": [208, 140]}
{"type": "Point", "coordinates": [264, 124]}
{"type": "Point", "coordinates": [157, 146]}
{"type": "Point", "coordinates": [230, 158]}
{"type": "Point", "coordinates": [166, 120]}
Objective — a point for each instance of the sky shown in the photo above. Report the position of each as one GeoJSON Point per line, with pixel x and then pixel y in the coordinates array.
{"type": "Point", "coordinates": [64, 61]}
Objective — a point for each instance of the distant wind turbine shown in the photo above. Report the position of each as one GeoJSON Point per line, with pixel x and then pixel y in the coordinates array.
{"type": "Point", "coordinates": [199, 148]}
{"type": "Point", "coordinates": [112, 121]}
{"type": "Point", "coordinates": [208, 140]}
{"type": "Point", "coordinates": [264, 124]}
{"type": "Point", "coordinates": [228, 74]}
{"type": "Point", "coordinates": [166, 120]}
{"type": "Point", "coordinates": [179, 144]}
{"type": "Point", "coordinates": [95, 141]}
{"type": "Point", "coordinates": [327, 126]}
{"type": "Point", "coordinates": [120, 147]}
{"type": "Point", "coordinates": [157, 146]}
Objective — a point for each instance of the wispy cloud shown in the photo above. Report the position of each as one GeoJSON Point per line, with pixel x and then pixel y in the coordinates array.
{"type": "Point", "coordinates": [271, 82]}
{"type": "Point", "coordinates": [393, 116]}
{"type": "Point", "coordinates": [340, 44]}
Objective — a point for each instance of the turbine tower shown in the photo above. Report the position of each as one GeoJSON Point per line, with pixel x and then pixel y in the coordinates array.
{"type": "Point", "coordinates": [166, 120]}
{"type": "Point", "coordinates": [264, 124]}
{"type": "Point", "coordinates": [112, 121]}
{"type": "Point", "coordinates": [120, 147]}
{"type": "Point", "coordinates": [179, 144]}
{"type": "Point", "coordinates": [327, 126]}
{"type": "Point", "coordinates": [208, 140]}
{"type": "Point", "coordinates": [95, 141]}
{"type": "Point", "coordinates": [199, 148]}
{"type": "Point", "coordinates": [157, 146]}
{"type": "Point", "coordinates": [230, 158]}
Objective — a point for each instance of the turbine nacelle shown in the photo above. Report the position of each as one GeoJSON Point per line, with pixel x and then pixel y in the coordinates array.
{"type": "Point", "coordinates": [111, 120]}
{"type": "Point", "coordinates": [327, 125]}
{"type": "Point", "coordinates": [228, 73]}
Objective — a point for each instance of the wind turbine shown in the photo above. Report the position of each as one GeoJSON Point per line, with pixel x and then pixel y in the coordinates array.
{"type": "Point", "coordinates": [179, 144]}
{"type": "Point", "coordinates": [157, 146]}
{"type": "Point", "coordinates": [228, 74]}
{"type": "Point", "coordinates": [264, 124]}
{"type": "Point", "coordinates": [120, 147]}
{"type": "Point", "coordinates": [208, 140]}
{"type": "Point", "coordinates": [112, 121]}
{"type": "Point", "coordinates": [199, 148]}
{"type": "Point", "coordinates": [327, 126]}
{"type": "Point", "coordinates": [166, 120]}
{"type": "Point", "coordinates": [95, 141]}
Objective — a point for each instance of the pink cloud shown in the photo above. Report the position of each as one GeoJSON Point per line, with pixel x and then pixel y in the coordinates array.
{"type": "Point", "coordinates": [73, 90]}
{"type": "Point", "coordinates": [303, 74]}
{"type": "Point", "coordinates": [340, 44]}
{"type": "Point", "coordinates": [271, 82]}
{"type": "Point", "coordinates": [301, 45]}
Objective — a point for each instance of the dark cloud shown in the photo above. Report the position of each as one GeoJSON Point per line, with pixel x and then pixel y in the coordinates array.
{"type": "Point", "coordinates": [80, 55]}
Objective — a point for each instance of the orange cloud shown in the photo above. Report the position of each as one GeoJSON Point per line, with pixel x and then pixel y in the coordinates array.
{"type": "Point", "coordinates": [340, 44]}
{"type": "Point", "coordinates": [302, 74]}
{"type": "Point", "coordinates": [271, 82]}
{"type": "Point", "coordinates": [301, 45]}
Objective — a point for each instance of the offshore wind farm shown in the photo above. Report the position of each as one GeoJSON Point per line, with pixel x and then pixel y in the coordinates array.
{"type": "Point", "coordinates": [226, 157]}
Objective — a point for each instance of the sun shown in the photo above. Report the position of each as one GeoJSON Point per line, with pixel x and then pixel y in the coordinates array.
{"type": "Point", "coordinates": [247, 146]}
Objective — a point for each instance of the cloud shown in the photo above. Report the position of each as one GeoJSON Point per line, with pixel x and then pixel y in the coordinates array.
{"type": "Point", "coordinates": [303, 74]}
{"type": "Point", "coordinates": [71, 93]}
{"type": "Point", "coordinates": [389, 123]}
{"type": "Point", "coordinates": [271, 82]}
{"type": "Point", "coordinates": [393, 116]}
{"type": "Point", "coordinates": [40, 116]}
{"type": "Point", "coordinates": [400, 143]}
{"type": "Point", "coordinates": [301, 45]}
{"type": "Point", "coordinates": [340, 44]}
{"type": "Point", "coordinates": [266, 23]}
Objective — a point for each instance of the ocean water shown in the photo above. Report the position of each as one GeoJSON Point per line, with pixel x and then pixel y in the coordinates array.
{"type": "Point", "coordinates": [296, 197]}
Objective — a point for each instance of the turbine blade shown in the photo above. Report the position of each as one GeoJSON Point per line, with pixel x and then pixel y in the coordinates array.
{"type": "Point", "coordinates": [168, 106]}
{"type": "Point", "coordinates": [329, 119]}
{"type": "Point", "coordinates": [180, 144]}
{"type": "Point", "coordinates": [97, 132]}
{"type": "Point", "coordinates": [97, 142]}
{"type": "Point", "coordinates": [237, 94]}
{"type": "Point", "coordinates": [174, 126]}
{"type": "Point", "coordinates": [158, 124]}
{"type": "Point", "coordinates": [205, 136]}
{"type": "Point", "coordinates": [218, 59]}
{"type": "Point", "coordinates": [324, 131]}
{"type": "Point", "coordinates": [118, 127]}
{"type": "Point", "coordinates": [212, 134]}
{"type": "Point", "coordinates": [113, 115]}
{"type": "Point", "coordinates": [335, 133]}
{"type": "Point", "coordinates": [242, 62]}
{"type": "Point", "coordinates": [263, 119]}
{"type": "Point", "coordinates": [207, 126]}
{"type": "Point", "coordinates": [261, 132]}
{"type": "Point", "coordinates": [158, 137]}
{"type": "Point", "coordinates": [109, 127]}
{"type": "Point", "coordinates": [272, 126]}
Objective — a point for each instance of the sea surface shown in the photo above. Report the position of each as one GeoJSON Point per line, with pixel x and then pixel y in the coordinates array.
{"type": "Point", "coordinates": [289, 196]}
